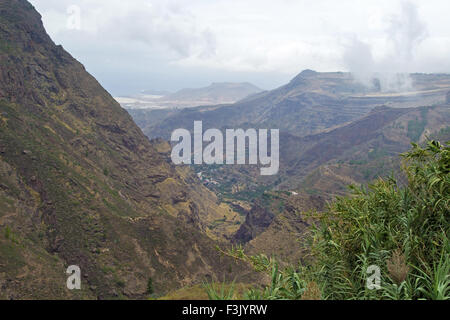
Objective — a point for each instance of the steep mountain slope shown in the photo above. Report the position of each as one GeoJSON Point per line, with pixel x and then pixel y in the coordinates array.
{"type": "Point", "coordinates": [360, 151]}
{"type": "Point", "coordinates": [81, 185]}
{"type": "Point", "coordinates": [283, 237]}
{"type": "Point", "coordinates": [327, 162]}
{"type": "Point", "coordinates": [334, 132]}
{"type": "Point", "coordinates": [319, 167]}
{"type": "Point", "coordinates": [257, 220]}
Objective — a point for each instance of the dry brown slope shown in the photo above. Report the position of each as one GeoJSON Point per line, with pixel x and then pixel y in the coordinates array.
{"type": "Point", "coordinates": [80, 184]}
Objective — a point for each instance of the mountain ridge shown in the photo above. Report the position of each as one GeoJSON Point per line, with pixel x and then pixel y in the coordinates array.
{"type": "Point", "coordinates": [310, 103]}
{"type": "Point", "coordinates": [216, 93]}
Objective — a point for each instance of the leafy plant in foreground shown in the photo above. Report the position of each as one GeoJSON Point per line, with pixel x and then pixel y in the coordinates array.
{"type": "Point", "coordinates": [401, 229]}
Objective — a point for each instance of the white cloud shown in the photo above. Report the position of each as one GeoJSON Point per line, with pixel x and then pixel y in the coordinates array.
{"type": "Point", "coordinates": [250, 38]}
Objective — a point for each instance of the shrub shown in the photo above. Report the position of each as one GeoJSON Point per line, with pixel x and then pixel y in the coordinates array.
{"type": "Point", "coordinates": [7, 232]}
{"type": "Point", "coordinates": [401, 229]}
{"type": "Point", "coordinates": [150, 289]}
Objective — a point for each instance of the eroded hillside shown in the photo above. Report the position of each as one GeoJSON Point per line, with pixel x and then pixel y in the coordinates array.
{"type": "Point", "coordinates": [80, 184]}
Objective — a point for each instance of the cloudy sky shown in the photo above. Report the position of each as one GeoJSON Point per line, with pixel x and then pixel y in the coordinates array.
{"type": "Point", "coordinates": [167, 45]}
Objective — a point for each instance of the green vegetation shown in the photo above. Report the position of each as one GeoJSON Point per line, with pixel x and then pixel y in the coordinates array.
{"type": "Point", "coordinates": [443, 134]}
{"type": "Point", "coordinates": [150, 289]}
{"type": "Point", "coordinates": [222, 292]}
{"type": "Point", "coordinates": [357, 162]}
{"type": "Point", "coordinates": [377, 153]}
{"type": "Point", "coordinates": [10, 235]}
{"type": "Point", "coordinates": [416, 127]}
{"type": "Point", "coordinates": [402, 230]}
{"type": "Point", "coordinates": [6, 47]}
{"type": "Point", "coordinates": [7, 232]}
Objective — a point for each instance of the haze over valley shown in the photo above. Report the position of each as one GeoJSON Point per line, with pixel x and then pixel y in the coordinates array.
{"type": "Point", "coordinates": [216, 93]}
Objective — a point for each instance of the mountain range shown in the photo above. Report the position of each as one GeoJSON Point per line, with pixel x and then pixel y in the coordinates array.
{"type": "Point", "coordinates": [85, 182]}
{"type": "Point", "coordinates": [214, 94]}
{"type": "Point", "coordinates": [310, 103]}
{"type": "Point", "coordinates": [334, 131]}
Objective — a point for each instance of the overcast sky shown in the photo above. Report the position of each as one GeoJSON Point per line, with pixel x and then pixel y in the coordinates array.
{"type": "Point", "coordinates": [167, 45]}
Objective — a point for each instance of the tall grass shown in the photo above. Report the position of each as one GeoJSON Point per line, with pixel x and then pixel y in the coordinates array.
{"type": "Point", "coordinates": [401, 229]}
{"type": "Point", "coordinates": [220, 291]}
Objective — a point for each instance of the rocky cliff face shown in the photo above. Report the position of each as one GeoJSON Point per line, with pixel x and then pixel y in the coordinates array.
{"type": "Point", "coordinates": [81, 185]}
{"type": "Point", "coordinates": [256, 221]}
